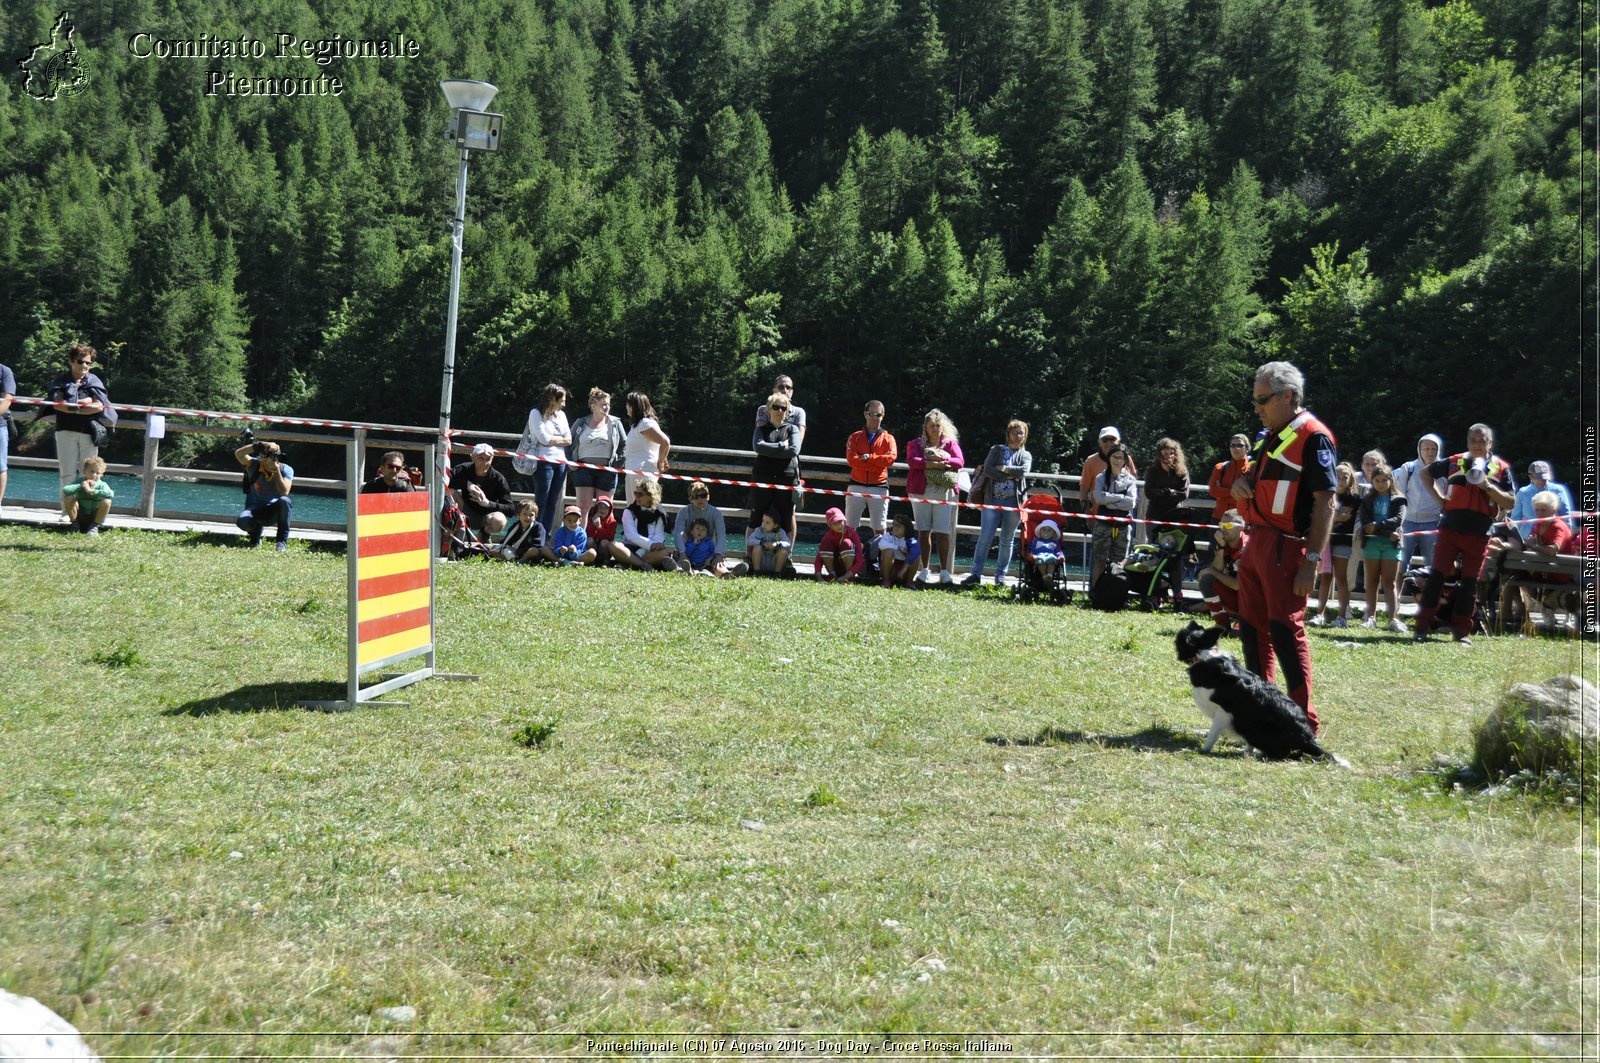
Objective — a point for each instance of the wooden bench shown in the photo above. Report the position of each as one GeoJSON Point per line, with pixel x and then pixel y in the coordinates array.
{"type": "Point", "coordinates": [1540, 575]}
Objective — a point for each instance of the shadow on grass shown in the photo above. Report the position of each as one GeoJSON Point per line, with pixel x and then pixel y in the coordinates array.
{"type": "Point", "coordinates": [232, 540]}
{"type": "Point", "coordinates": [1157, 737]}
{"type": "Point", "coordinates": [261, 697]}
{"type": "Point", "coordinates": [27, 548]}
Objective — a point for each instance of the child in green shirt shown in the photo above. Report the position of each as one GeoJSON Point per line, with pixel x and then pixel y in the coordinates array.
{"type": "Point", "coordinates": [87, 502]}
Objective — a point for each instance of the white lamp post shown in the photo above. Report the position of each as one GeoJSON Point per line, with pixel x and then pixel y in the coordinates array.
{"type": "Point", "coordinates": [472, 128]}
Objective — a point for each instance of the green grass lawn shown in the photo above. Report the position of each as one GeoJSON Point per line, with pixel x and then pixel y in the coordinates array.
{"type": "Point", "coordinates": [761, 807]}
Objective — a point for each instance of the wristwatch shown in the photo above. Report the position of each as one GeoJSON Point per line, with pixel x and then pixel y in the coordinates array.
{"type": "Point", "coordinates": [1314, 556]}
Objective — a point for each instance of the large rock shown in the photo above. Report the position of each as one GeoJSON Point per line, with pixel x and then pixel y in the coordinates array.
{"type": "Point", "coordinates": [1541, 727]}
{"type": "Point", "coordinates": [29, 1030]}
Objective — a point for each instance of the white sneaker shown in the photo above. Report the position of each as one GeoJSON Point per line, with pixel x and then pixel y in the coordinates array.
{"type": "Point", "coordinates": [946, 577]}
{"type": "Point", "coordinates": [1370, 621]}
{"type": "Point", "coordinates": [1397, 625]}
{"type": "Point", "coordinates": [1317, 621]}
{"type": "Point", "coordinates": [921, 576]}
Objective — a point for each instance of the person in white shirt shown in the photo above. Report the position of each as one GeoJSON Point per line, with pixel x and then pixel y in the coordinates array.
{"type": "Point", "coordinates": [544, 449]}
{"type": "Point", "coordinates": [645, 453]}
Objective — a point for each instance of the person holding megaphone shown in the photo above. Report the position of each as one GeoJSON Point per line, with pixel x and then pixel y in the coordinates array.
{"type": "Point", "coordinates": [1480, 486]}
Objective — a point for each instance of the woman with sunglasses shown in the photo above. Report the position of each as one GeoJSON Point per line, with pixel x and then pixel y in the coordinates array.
{"type": "Point", "coordinates": [82, 409]}
{"type": "Point", "coordinates": [643, 533]}
{"type": "Point", "coordinates": [777, 465]}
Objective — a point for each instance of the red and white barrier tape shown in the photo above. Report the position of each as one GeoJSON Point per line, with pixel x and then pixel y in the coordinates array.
{"type": "Point", "coordinates": [256, 418]}
{"type": "Point", "coordinates": [309, 422]}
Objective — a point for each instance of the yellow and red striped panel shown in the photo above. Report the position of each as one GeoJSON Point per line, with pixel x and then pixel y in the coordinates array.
{"type": "Point", "coordinates": [394, 596]}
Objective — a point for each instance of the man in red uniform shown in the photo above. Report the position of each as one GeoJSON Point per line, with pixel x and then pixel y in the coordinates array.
{"type": "Point", "coordinates": [1480, 486]}
{"type": "Point", "coordinates": [1223, 473]}
{"type": "Point", "coordinates": [1287, 498]}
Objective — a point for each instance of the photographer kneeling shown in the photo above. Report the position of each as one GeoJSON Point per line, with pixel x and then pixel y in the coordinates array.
{"type": "Point", "coordinates": [268, 481]}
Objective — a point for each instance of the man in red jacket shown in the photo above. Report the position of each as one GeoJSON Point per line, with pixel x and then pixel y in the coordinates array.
{"type": "Point", "coordinates": [870, 451]}
{"type": "Point", "coordinates": [1287, 498]}
{"type": "Point", "coordinates": [1223, 473]}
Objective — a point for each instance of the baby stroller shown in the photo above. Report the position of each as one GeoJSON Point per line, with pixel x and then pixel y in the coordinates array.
{"type": "Point", "coordinates": [1147, 563]}
{"type": "Point", "coordinates": [1040, 508]}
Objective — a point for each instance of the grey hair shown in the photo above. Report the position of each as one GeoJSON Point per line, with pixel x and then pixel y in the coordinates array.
{"type": "Point", "coordinates": [1281, 376]}
{"type": "Point", "coordinates": [1486, 430]}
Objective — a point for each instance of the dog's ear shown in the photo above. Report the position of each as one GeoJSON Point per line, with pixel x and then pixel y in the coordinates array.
{"type": "Point", "coordinates": [1212, 636]}
{"type": "Point", "coordinates": [1191, 628]}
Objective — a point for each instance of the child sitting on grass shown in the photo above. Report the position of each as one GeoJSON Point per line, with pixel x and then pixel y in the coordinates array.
{"type": "Point", "coordinates": [899, 553]}
{"type": "Point", "coordinates": [1044, 553]}
{"type": "Point", "coordinates": [768, 545]}
{"type": "Point", "coordinates": [523, 539]}
{"type": "Point", "coordinates": [601, 530]}
{"type": "Point", "coordinates": [87, 502]}
{"type": "Point", "coordinates": [700, 551]}
{"type": "Point", "coordinates": [570, 543]}
{"type": "Point", "coordinates": [840, 555]}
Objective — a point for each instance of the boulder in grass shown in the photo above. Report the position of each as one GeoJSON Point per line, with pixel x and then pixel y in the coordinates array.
{"type": "Point", "coordinates": [1541, 727]}
{"type": "Point", "coordinates": [31, 1031]}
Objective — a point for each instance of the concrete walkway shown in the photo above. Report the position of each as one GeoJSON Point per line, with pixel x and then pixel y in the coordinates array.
{"type": "Point", "coordinates": [53, 518]}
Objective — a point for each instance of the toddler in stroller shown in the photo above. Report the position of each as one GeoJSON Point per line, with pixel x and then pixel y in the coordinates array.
{"type": "Point", "coordinates": [1043, 565]}
{"type": "Point", "coordinates": [1147, 566]}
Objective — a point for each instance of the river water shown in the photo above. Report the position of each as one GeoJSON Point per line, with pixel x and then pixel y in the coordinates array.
{"type": "Point", "coordinates": [205, 500]}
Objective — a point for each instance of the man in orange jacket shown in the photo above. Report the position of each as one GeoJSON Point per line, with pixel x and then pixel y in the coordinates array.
{"type": "Point", "coordinates": [1223, 473]}
{"type": "Point", "coordinates": [870, 451]}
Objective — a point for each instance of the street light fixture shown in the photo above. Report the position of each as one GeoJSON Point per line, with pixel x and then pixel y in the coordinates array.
{"type": "Point", "coordinates": [472, 128]}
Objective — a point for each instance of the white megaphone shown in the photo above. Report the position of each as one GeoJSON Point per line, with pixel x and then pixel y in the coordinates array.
{"type": "Point", "coordinates": [1478, 471]}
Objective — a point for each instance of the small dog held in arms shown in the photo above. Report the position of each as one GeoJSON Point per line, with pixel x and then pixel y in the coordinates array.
{"type": "Point", "coordinates": [1242, 705]}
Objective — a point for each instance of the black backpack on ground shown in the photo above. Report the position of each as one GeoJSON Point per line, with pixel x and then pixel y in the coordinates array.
{"type": "Point", "coordinates": [1110, 591]}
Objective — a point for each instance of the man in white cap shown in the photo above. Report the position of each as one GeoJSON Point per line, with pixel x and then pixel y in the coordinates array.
{"type": "Point", "coordinates": [1093, 466]}
{"type": "Point", "coordinates": [1539, 474]}
{"type": "Point", "coordinates": [482, 492]}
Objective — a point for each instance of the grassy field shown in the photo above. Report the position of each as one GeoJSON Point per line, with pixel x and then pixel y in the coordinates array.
{"type": "Point", "coordinates": [757, 808]}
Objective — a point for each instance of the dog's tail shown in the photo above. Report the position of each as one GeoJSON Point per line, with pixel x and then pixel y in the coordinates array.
{"type": "Point", "coordinates": [1324, 754]}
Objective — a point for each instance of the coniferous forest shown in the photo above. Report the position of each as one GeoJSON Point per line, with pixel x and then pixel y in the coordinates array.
{"type": "Point", "coordinates": [1078, 212]}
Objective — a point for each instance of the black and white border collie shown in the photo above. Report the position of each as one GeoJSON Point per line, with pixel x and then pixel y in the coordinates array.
{"type": "Point", "coordinates": [1241, 704]}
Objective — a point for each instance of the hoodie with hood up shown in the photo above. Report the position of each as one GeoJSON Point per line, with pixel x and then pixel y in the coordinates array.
{"type": "Point", "coordinates": [1421, 506]}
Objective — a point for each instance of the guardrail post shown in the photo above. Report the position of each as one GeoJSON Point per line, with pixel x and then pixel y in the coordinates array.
{"type": "Point", "coordinates": [147, 486]}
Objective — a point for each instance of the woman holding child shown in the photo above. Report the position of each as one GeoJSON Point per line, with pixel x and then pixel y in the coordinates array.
{"type": "Point", "coordinates": [935, 460]}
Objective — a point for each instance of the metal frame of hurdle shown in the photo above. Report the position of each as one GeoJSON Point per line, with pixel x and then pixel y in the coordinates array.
{"type": "Point", "coordinates": [392, 548]}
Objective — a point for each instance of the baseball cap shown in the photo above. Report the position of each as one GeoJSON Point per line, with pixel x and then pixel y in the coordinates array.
{"type": "Point", "coordinates": [483, 448]}
{"type": "Point", "coordinates": [572, 511]}
{"type": "Point", "coordinates": [1109, 430]}
{"type": "Point", "coordinates": [833, 514]}
{"type": "Point", "coordinates": [1541, 469]}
